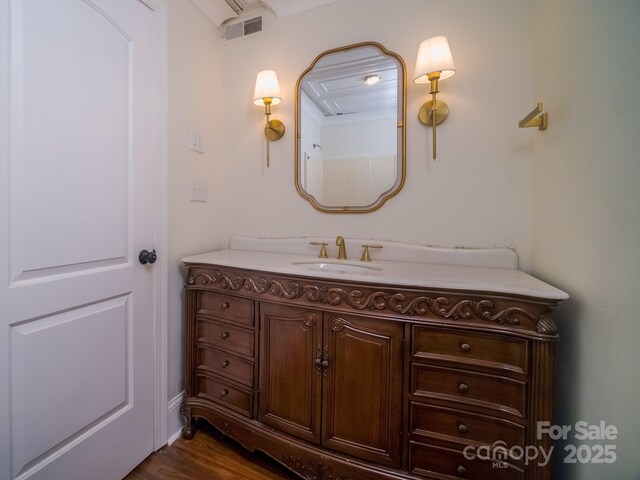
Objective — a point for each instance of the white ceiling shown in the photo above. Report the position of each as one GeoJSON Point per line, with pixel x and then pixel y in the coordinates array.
{"type": "Point", "coordinates": [220, 10]}
{"type": "Point", "coordinates": [283, 8]}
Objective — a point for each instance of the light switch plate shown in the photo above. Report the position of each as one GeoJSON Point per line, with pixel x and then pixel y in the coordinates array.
{"type": "Point", "coordinates": [197, 142]}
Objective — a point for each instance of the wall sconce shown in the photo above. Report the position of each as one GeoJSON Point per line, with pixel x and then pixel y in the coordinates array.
{"type": "Point", "coordinates": [267, 93]}
{"type": "Point", "coordinates": [434, 63]}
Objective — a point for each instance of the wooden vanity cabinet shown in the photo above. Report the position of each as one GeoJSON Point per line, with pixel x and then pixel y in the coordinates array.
{"type": "Point", "coordinates": [333, 380]}
{"type": "Point", "coordinates": [222, 350]}
{"type": "Point", "coordinates": [338, 380]}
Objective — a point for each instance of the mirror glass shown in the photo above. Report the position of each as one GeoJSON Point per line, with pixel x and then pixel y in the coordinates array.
{"type": "Point", "coordinates": [350, 135]}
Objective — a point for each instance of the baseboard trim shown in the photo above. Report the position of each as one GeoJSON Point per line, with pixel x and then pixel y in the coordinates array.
{"type": "Point", "coordinates": [174, 422]}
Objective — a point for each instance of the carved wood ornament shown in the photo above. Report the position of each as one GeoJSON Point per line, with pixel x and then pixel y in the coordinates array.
{"type": "Point", "coordinates": [313, 471]}
{"type": "Point", "coordinates": [401, 302]}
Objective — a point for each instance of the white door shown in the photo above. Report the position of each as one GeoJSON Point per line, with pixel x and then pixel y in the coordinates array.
{"type": "Point", "coordinates": [77, 183]}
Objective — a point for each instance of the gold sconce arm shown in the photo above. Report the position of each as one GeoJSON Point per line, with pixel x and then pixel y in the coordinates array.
{"type": "Point", "coordinates": [435, 111]}
{"type": "Point", "coordinates": [273, 129]}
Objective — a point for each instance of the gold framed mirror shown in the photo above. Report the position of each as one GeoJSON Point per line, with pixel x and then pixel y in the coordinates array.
{"type": "Point", "coordinates": [350, 110]}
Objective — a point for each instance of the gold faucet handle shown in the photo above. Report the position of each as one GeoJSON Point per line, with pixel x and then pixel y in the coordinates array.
{"type": "Point", "coordinates": [365, 252]}
{"type": "Point", "coordinates": [323, 249]}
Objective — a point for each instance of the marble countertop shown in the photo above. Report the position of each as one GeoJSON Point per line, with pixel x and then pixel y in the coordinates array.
{"type": "Point", "coordinates": [394, 272]}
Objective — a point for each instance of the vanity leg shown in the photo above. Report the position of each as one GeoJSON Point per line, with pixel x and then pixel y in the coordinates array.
{"type": "Point", "coordinates": [189, 430]}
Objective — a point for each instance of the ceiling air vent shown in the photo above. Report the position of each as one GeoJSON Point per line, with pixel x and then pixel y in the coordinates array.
{"type": "Point", "coordinates": [242, 29]}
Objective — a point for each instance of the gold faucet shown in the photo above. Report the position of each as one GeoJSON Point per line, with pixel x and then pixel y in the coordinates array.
{"type": "Point", "coordinates": [365, 252]}
{"type": "Point", "coordinates": [342, 249]}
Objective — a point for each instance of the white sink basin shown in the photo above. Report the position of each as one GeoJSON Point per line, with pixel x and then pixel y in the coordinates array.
{"type": "Point", "coordinates": [338, 266]}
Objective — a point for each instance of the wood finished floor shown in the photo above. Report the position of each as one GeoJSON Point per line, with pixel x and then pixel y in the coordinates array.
{"type": "Point", "coordinates": [208, 457]}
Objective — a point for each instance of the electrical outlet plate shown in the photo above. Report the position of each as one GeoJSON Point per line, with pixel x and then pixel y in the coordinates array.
{"type": "Point", "coordinates": [199, 191]}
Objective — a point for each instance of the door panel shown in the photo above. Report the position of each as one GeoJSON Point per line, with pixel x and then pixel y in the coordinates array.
{"type": "Point", "coordinates": [362, 403]}
{"type": "Point", "coordinates": [289, 381]}
{"type": "Point", "coordinates": [74, 116]}
{"type": "Point", "coordinates": [76, 196]}
{"type": "Point", "coordinates": [88, 346]}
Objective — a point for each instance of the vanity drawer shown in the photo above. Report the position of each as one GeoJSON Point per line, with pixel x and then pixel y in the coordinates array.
{"type": "Point", "coordinates": [429, 460]}
{"type": "Point", "coordinates": [470, 348]}
{"type": "Point", "coordinates": [221, 391]}
{"type": "Point", "coordinates": [463, 427]}
{"type": "Point", "coordinates": [228, 307]}
{"type": "Point", "coordinates": [226, 337]}
{"type": "Point", "coordinates": [225, 364]}
{"type": "Point", "coordinates": [472, 388]}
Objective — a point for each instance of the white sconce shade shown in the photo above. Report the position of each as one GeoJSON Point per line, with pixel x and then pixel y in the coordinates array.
{"type": "Point", "coordinates": [267, 87]}
{"type": "Point", "coordinates": [434, 55]}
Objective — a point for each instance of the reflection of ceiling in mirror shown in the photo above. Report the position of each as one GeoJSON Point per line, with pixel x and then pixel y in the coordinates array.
{"type": "Point", "coordinates": [336, 83]}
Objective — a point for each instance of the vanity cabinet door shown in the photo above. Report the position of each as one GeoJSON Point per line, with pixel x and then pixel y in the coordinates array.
{"type": "Point", "coordinates": [290, 382]}
{"type": "Point", "coordinates": [362, 403]}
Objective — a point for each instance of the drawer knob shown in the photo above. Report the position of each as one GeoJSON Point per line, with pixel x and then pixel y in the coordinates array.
{"type": "Point", "coordinates": [225, 364]}
{"type": "Point", "coordinates": [224, 392]}
{"type": "Point", "coordinates": [462, 428]}
{"type": "Point", "coordinates": [463, 387]}
{"type": "Point", "coordinates": [465, 347]}
{"type": "Point", "coordinates": [224, 335]}
{"type": "Point", "coordinates": [225, 305]}
{"type": "Point", "coordinates": [462, 471]}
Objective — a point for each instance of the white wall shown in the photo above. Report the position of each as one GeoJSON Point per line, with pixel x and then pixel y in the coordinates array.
{"type": "Point", "coordinates": [194, 85]}
{"type": "Point", "coordinates": [586, 227]}
{"type": "Point", "coordinates": [478, 192]}
{"type": "Point", "coordinates": [584, 230]}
